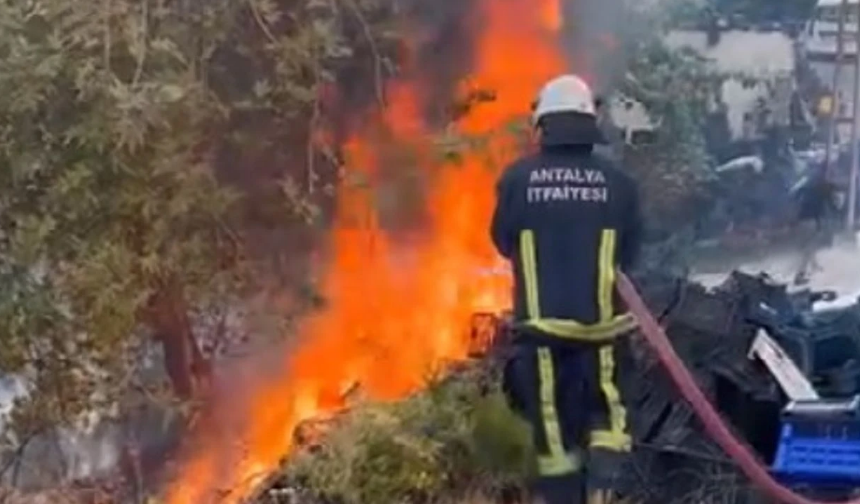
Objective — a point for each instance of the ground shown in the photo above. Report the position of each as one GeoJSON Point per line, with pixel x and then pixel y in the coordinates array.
{"type": "Point", "coordinates": [840, 263]}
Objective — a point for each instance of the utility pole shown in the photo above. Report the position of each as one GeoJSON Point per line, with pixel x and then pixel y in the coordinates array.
{"type": "Point", "coordinates": [855, 148]}
{"type": "Point", "coordinates": [837, 73]}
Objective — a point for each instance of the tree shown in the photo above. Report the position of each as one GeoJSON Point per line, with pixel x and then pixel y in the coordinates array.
{"type": "Point", "coordinates": [128, 127]}
{"type": "Point", "coordinates": [674, 169]}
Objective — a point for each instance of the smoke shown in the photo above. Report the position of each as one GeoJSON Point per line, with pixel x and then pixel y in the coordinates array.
{"type": "Point", "coordinates": [442, 52]}
{"type": "Point", "coordinates": [433, 56]}
{"type": "Point", "coordinates": [595, 33]}
{"type": "Point", "coordinates": [434, 42]}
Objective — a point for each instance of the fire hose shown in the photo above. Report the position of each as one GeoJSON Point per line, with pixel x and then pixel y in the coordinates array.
{"type": "Point", "coordinates": [711, 420]}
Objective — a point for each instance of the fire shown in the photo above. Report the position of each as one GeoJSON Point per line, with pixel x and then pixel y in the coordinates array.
{"type": "Point", "coordinates": [396, 311]}
{"type": "Point", "coordinates": [552, 15]}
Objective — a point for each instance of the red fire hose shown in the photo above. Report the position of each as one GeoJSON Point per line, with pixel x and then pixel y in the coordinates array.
{"type": "Point", "coordinates": [703, 409]}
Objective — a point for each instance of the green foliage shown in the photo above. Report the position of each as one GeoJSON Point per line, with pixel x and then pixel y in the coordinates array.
{"type": "Point", "coordinates": [676, 88]}
{"type": "Point", "coordinates": [118, 118]}
{"type": "Point", "coordinates": [765, 10]}
{"type": "Point", "coordinates": [103, 191]}
{"type": "Point", "coordinates": [685, 12]}
{"type": "Point", "coordinates": [451, 440]}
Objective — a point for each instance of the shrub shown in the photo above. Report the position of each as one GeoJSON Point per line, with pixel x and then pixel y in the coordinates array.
{"type": "Point", "coordinates": [455, 439]}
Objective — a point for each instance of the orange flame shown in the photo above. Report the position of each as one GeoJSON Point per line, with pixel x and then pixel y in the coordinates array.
{"type": "Point", "coordinates": [395, 312]}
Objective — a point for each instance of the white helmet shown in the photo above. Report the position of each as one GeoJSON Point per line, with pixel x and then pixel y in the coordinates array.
{"type": "Point", "coordinates": [567, 93]}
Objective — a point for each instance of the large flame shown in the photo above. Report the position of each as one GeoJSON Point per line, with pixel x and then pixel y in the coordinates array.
{"type": "Point", "coordinates": [395, 314]}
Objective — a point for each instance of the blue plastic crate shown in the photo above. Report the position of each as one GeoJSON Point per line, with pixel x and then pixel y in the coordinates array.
{"type": "Point", "coordinates": [819, 447]}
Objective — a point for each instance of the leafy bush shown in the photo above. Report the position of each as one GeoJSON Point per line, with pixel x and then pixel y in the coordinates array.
{"type": "Point", "coordinates": [452, 440]}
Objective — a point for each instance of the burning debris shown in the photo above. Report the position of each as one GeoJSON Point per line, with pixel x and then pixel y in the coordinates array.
{"type": "Point", "coordinates": [471, 99]}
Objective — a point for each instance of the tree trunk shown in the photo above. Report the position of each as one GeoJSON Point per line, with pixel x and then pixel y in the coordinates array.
{"type": "Point", "coordinates": [167, 315]}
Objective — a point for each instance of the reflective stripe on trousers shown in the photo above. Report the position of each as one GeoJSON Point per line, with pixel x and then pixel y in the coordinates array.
{"type": "Point", "coordinates": [558, 461]}
{"type": "Point", "coordinates": [615, 438]}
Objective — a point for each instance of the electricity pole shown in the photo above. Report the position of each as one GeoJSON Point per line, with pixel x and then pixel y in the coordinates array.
{"type": "Point", "coordinates": [837, 73]}
{"type": "Point", "coordinates": [855, 148]}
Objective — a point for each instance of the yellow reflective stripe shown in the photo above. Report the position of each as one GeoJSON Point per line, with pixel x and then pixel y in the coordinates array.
{"type": "Point", "coordinates": [529, 265]}
{"type": "Point", "coordinates": [557, 462]}
{"type": "Point", "coordinates": [550, 465]}
{"type": "Point", "coordinates": [616, 438]}
{"type": "Point", "coordinates": [606, 274]}
{"type": "Point", "coordinates": [612, 441]}
{"type": "Point", "coordinates": [571, 329]}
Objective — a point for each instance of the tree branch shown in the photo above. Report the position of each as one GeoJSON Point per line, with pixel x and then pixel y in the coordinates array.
{"type": "Point", "coordinates": [107, 35]}
{"type": "Point", "coordinates": [313, 124]}
{"type": "Point", "coordinates": [15, 460]}
{"type": "Point", "coordinates": [374, 49]}
{"type": "Point", "coordinates": [261, 22]}
{"type": "Point", "coordinates": [144, 43]}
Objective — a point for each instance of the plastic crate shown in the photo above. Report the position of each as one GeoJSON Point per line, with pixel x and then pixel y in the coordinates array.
{"type": "Point", "coordinates": [713, 313]}
{"type": "Point", "coordinates": [820, 444]}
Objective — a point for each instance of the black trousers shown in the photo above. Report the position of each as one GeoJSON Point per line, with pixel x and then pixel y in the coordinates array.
{"type": "Point", "coordinates": [570, 395]}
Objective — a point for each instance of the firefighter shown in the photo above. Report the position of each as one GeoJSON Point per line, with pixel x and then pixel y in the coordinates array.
{"type": "Point", "coordinates": [565, 219]}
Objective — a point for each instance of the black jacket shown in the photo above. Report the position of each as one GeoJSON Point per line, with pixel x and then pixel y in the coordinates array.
{"type": "Point", "coordinates": [566, 219]}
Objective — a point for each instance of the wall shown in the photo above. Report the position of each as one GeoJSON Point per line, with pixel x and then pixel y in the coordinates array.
{"type": "Point", "coordinates": [763, 55]}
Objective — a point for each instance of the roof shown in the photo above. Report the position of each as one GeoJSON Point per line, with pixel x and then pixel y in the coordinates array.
{"type": "Point", "coordinates": [762, 54]}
